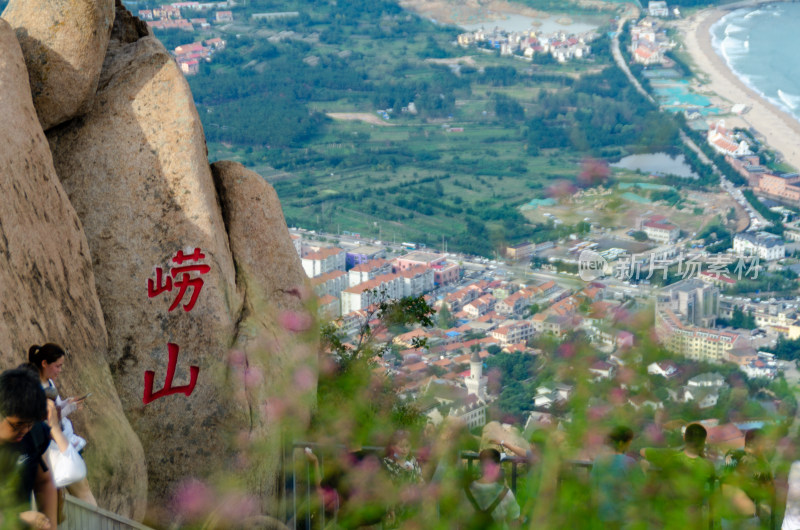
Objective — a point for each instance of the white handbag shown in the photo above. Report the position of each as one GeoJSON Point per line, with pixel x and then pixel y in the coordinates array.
{"type": "Point", "coordinates": [67, 467]}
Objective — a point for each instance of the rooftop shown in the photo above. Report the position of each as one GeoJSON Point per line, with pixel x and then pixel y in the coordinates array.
{"type": "Point", "coordinates": [422, 257]}
{"type": "Point", "coordinates": [323, 253]}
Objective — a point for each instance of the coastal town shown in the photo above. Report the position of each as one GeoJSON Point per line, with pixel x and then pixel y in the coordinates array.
{"type": "Point", "coordinates": [692, 284]}
{"type": "Point", "coordinates": [503, 307]}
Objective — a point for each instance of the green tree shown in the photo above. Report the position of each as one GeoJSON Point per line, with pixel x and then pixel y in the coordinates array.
{"type": "Point", "coordinates": [348, 382]}
{"type": "Point", "coordinates": [445, 318]}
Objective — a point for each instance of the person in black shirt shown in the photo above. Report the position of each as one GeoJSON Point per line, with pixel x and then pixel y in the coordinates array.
{"type": "Point", "coordinates": [24, 438]}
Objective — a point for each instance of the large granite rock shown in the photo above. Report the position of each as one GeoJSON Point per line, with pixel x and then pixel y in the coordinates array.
{"type": "Point", "coordinates": [136, 169]}
{"type": "Point", "coordinates": [275, 332]}
{"type": "Point", "coordinates": [47, 289]}
{"type": "Point", "coordinates": [64, 43]}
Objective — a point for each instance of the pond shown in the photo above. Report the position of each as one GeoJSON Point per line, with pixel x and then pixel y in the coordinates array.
{"type": "Point", "coordinates": [657, 163]}
{"type": "Point", "coordinates": [516, 23]}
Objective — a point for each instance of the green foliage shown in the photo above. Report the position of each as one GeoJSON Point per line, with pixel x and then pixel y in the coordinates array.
{"type": "Point", "coordinates": [507, 109]}
{"type": "Point", "coordinates": [639, 235]}
{"type": "Point", "coordinates": [786, 349]}
{"type": "Point", "coordinates": [445, 318]}
{"type": "Point", "coordinates": [740, 319]}
{"type": "Point", "coordinates": [602, 110]}
{"type": "Point", "coordinates": [671, 197]}
{"type": "Point", "coordinates": [714, 231]}
{"type": "Point", "coordinates": [782, 281]}
{"type": "Point", "coordinates": [499, 75]}
{"type": "Point", "coordinates": [515, 371]}
{"type": "Point", "coordinates": [348, 366]}
{"type": "Point", "coordinates": [560, 6]}
{"type": "Point", "coordinates": [761, 208]}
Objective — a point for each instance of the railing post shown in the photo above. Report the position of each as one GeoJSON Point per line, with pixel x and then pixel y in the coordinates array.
{"type": "Point", "coordinates": [308, 493]}
{"type": "Point", "coordinates": [294, 489]}
{"type": "Point", "coordinates": [514, 476]}
{"type": "Point", "coordinates": [321, 497]}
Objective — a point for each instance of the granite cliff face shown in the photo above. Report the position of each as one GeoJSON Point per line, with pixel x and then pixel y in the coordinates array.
{"type": "Point", "coordinates": [64, 43]}
{"type": "Point", "coordinates": [257, 232]}
{"type": "Point", "coordinates": [47, 288]}
{"type": "Point", "coordinates": [138, 197]}
{"type": "Point", "coordinates": [135, 168]}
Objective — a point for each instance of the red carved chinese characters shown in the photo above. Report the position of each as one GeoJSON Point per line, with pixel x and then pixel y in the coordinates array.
{"type": "Point", "coordinates": [185, 281]}
{"type": "Point", "coordinates": [184, 273]}
{"type": "Point", "coordinates": [168, 389]}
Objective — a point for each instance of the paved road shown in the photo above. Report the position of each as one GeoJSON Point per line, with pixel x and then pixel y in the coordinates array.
{"type": "Point", "coordinates": [620, 60]}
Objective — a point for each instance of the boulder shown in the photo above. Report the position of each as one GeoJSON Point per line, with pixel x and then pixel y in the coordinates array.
{"type": "Point", "coordinates": [64, 43]}
{"type": "Point", "coordinates": [47, 289]}
{"type": "Point", "coordinates": [275, 332]}
{"type": "Point", "coordinates": [136, 170]}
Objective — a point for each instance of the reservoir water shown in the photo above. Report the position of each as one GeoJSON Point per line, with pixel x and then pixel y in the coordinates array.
{"type": "Point", "coordinates": [515, 23]}
{"type": "Point", "coordinates": [658, 163]}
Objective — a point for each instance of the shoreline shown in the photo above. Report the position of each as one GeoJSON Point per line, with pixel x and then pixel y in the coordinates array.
{"type": "Point", "coordinates": [779, 130]}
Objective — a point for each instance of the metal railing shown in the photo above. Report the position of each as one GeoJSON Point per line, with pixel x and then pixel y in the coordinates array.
{"type": "Point", "coordinates": [80, 515]}
{"type": "Point", "coordinates": [305, 510]}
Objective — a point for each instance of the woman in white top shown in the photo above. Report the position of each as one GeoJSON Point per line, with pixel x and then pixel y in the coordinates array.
{"type": "Point", "coordinates": [49, 361]}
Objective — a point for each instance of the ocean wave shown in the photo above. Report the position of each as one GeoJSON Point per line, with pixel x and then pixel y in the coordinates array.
{"type": "Point", "coordinates": [782, 106]}
{"type": "Point", "coordinates": [734, 52]}
{"type": "Point", "coordinates": [733, 28]}
{"type": "Point", "coordinates": [791, 100]}
{"type": "Point", "coordinates": [753, 14]}
{"type": "Point", "coordinates": [733, 48]}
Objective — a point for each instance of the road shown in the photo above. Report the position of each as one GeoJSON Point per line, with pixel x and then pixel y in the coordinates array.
{"type": "Point", "coordinates": [620, 60]}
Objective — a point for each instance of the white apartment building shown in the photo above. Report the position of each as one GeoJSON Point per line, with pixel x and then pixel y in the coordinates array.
{"type": "Point", "coordinates": [366, 271]}
{"type": "Point", "coordinates": [331, 283]}
{"type": "Point", "coordinates": [319, 262]}
{"type": "Point", "coordinates": [481, 306]}
{"type": "Point", "coordinates": [417, 281]}
{"type": "Point", "coordinates": [514, 333]}
{"type": "Point", "coordinates": [514, 304]}
{"type": "Point", "coordinates": [363, 295]}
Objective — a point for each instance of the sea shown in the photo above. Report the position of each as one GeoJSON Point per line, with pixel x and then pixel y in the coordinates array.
{"type": "Point", "coordinates": [760, 45]}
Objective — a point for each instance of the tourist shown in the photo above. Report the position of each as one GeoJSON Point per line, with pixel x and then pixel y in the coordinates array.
{"type": "Point", "coordinates": [685, 479]}
{"type": "Point", "coordinates": [401, 464]}
{"type": "Point", "coordinates": [405, 473]}
{"type": "Point", "coordinates": [748, 485]}
{"type": "Point", "coordinates": [493, 503]}
{"type": "Point", "coordinates": [354, 488]}
{"type": "Point", "coordinates": [516, 450]}
{"type": "Point", "coordinates": [48, 360]}
{"type": "Point", "coordinates": [24, 438]}
{"type": "Point", "coordinates": [615, 477]}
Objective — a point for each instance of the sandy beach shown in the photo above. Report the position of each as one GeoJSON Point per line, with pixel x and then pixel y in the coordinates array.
{"type": "Point", "coordinates": [780, 131]}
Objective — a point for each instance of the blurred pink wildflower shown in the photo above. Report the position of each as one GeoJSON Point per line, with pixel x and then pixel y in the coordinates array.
{"type": "Point", "coordinates": [295, 321]}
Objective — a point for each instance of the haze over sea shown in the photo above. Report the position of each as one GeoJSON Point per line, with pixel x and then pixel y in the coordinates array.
{"type": "Point", "coordinates": [760, 46]}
